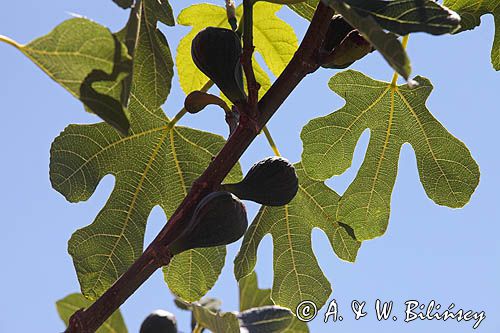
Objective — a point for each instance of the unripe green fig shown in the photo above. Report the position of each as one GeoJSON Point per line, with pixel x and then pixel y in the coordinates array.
{"type": "Point", "coordinates": [217, 53]}
{"type": "Point", "coordinates": [219, 219]}
{"type": "Point", "coordinates": [270, 182]}
{"type": "Point", "coordinates": [159, 321]}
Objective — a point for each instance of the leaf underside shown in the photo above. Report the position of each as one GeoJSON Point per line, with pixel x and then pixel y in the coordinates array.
{"type": "Point", "coordinates": [155, 165]}
{"type": "Point", "coordinates": [297, 275]}
{"type": "Point", "coordinates": [88, 61]}
{"type": "Point", "coordinates": [216, 322]}
{"type": "Point", "coordinates": [398, 16]}
{"type": "Point", "coordinates": [394, 115]}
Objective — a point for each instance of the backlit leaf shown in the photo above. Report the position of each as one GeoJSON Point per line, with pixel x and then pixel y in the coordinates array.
{"type": "Point", "coordinates": [155, 165]}
{"type": "Point", "coordinates": [305, 9]}
{"type": "Point", "coordinates": [192, 274]}
{"type": "Point", "coordinates": [387, 44]}
{"type": "Point", "coordinates": [274, 39]}
{"type": "Point", "coordinates": [399, 16]}
{"type": "Point", "coordinates": [86, 59]}
{"type": "Point", "coordinates": [226, 322]}
{"type": "Point", "coordinates": [394, 115]}
{"type": "Point", "coordinates": [297, 275]}
{"type": "Point", "coordinates": [253, 297]}
{"type": "Point", "coordinates": [471, 12]}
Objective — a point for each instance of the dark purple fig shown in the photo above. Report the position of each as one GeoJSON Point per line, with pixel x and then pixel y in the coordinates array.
{"type": "Point", "coordinates": [343, 44]}
{"type": "Point", "coordinates": [352, 48]}
{"type": "Point", "coordinates": [219, 219]}
{"type": "Point", "coordinates": [270, 182]}
{"type": "Point", "coordinates": [159, 321]}
{"type": "Point", "coordinates": [217, 53]}
{"type": "Point", "coordinates": [337, 31]}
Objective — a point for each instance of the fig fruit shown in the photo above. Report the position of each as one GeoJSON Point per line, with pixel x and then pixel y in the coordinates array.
{"type": "Point", "coordinates": [159, 321]}
{"type": "Point", "coordinates": [270, 182]}
{"type": "Point", "coordinates": [337, 31]}
{"type": "Point", "coordinates": [217, 53]}
{"type": "Point", "coordinates": [343, 44]}
{"type": "Point", "coordinates": [219, 219]}
{"type": "Point", "coordinates": [352, 48]}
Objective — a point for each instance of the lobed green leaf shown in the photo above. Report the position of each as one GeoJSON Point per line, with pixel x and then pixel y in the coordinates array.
{"type": "Point", "coordinates": [193, 273]}
{"type": "Point", "coordinates": [155, 165]}
{"type": "Point", "coordinates": [88, 61]}
{"type": "Point", "coordinates": [274, 39]}
{"type": "Point", "coordinates": [394, 115]}
{"type": "Point", "coordinates": [297, 275]}
{"type": "Point", "coordinates": [471, 12]}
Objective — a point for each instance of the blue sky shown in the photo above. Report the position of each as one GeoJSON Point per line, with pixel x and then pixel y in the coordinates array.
{"type": "Point", "coordinates": [428, 253]}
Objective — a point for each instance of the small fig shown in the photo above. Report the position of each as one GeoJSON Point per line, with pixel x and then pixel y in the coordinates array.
{"type": "Point", "coordinates": [196, 101]}
{"type": "Point", "coordinates": [159, 321]}
{"type": "Point", "coordinates": [219, 219]}
{"type": "Point", "coordinates": [217, 52]}
{"type": "Point", "coordinates": [270, 182]}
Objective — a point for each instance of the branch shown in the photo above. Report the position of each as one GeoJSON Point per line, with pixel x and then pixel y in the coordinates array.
{"type": "Point", "coordinates": [157, 254]}
{"type": "Point", "coordinates": [246, 58]}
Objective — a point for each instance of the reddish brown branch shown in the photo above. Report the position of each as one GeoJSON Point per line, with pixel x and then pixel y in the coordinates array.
{"type": "Point", "coordinates": [246, 58]}
{"type": "Point", "coordinates": [157, 254]}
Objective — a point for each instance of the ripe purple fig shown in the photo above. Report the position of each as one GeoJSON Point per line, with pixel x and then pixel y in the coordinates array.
{"type": "Point", "coordinates": [217, 53]}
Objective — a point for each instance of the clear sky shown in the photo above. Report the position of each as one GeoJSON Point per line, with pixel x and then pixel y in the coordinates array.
{"type": "Point", "coordinates": [428, 253]}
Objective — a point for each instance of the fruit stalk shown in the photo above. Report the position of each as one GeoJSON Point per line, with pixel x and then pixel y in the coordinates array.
{"type": "Point", "coordinates": [157, 254]}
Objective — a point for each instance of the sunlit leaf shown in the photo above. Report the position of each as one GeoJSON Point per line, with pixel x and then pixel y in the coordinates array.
{"type": "Point", "coordinates": [274, 39]}
{"type": "Point", "coordinates": [394, 115]}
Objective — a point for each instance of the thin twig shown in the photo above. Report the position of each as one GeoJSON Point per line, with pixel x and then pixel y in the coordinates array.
{"type": "Point", "coordinates": [246, 58]}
